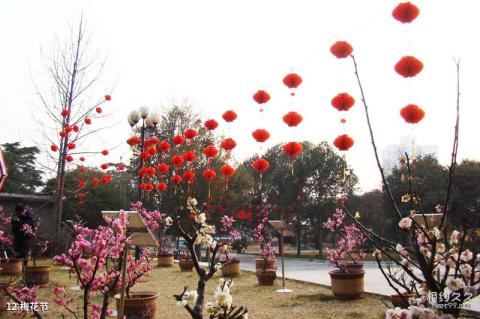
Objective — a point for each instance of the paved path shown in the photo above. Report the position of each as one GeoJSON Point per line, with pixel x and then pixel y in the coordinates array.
{"type": "Point", "coordinates": [317, 272]}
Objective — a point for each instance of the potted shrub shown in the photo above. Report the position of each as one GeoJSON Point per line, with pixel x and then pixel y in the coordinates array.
{"type": "Point", "coordinates": [36, 275]}
{"type": "Point", "coordinates": [230, 265]}
{"type": "Point", "coordinates": [165, 255]}
{"type": "Point", "coordinates": [265, 267]}
{"type": "Point", "coordinates": [10, 265]}
{"type": "Point", "coordinates": [347, 279]}
{"type": "Point", "coordinates": [185, 261]}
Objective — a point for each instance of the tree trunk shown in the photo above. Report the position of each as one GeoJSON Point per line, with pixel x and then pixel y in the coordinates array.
{"type": "Point", "coordinates": [319, 240]}
{"type": "Point", "coordinates": [299, 240]}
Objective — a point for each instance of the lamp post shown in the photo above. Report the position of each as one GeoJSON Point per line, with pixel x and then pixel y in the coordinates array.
{"type": "Point", "coordinates": [142, 119]}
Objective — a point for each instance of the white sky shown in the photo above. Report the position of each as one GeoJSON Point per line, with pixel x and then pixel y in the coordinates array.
{"type": "Point", "coordinates": [218, 53]}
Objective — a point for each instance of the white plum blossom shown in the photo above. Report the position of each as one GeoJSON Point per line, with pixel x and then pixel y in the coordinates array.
{"type": "Point", "coordinates": [398, 313]}
{"type": "Point", "coordinates": [455, 283]}
{"type": "Point", "coordinates": [201, 218]}
{"type": "Point", "coordinates": [405, 223]}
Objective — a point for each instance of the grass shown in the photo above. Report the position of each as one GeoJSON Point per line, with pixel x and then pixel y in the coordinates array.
{"type": "Point", "coordinates": [306, 301]}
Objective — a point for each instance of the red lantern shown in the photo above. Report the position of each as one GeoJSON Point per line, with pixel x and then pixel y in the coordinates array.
{"type": "Point", "coordinates": [76, 128]}
{"type": "Point", "coordinates": [341, 49]}
{"type": "Point", "coordinates": [189, 156]}
{"type": "Point", "coordinates": [68, 128]}
{"type": "Point", "coordinates": [177, 179]}
{"type": "Point", "coordinates": [144, 155]}
{"type": "Point", "coordinates": [134, 140]}
{"type": "Point", "coordinates": [210, 151]}
{"type": "Point", "coordinates": [162, 168]}
{"type": "Point", "coordinates": [178, 140]}
{"type": "Point", "coordinates": [88, 120]}
{"type": "Point", "coordinates": [81, 169]}
{"type": "Point", "coordinates": [343, 101]}
{"type": "Point", "coordinates": [69, 158]}
{"type": "Point", "coordinates": [261, 97]}
{"type": "Point", "coordinates": [261, 135]}
{"type": "Point", "coordinates": [65, 112]}
{"type": "Point", "coordinates": [261, 165]}
{"type": "Point", "coordinates": [150, 171]}
{"type": "Point", "coordinates": [408, 66]}
{"type": "Point", "coordinates": [95, 181]}
{"type": "Point", "coordinates": [162, 187]}
{"type": "Point", "coordinates": [227, 170]}
{"type": "Point", "coordinates": [209, 174]}
{"type": "Point", "coordinates": [164, 146]}
{"type": "Point", "coordinates": [228, 144]}
{"type": "Point", "coordinates": [229, 116]}
{"type": "Point", "coordinates": [189, 175]}
{"type": "Point", "coordinates": [71, 146]}
{"type": "Point", "coordinates": [149, 187]}
{"type": "Point", "coordinates": [82, 159]}
{"type": "Point", "coordinates": [121, 166]}
{"type": "Point", "coordinates": [105, 179]}
{"type": "Point", "coordinates": [98, 110]}
{"type": "Point", "coordinates": [104, 166]}
{"type": "Point", "coordinates": [406, 12]}
{"type": "Point", "coordinates": [293, 149]}
{"type": "Point", "coordinates": [105, 152]}
{"type": "Point", "coordinates": [63, 134]}
{"type": "Point", "coordinates": [151, 141]}
{"type": "Point", "coordinates": [292, 80]}
{"type": "Point", "coordinates": [54, 148]}
{"type": "Point", "coordinates": [190, 133]}
{"type": "Point", "coordinates": [142, 171]}
{"type": "Point", "coordinates": [108, 97]}
{"type": "Point", "coordinates": [80, 196]}
{"type": "Point", "coordinates": [343, 142]}
{"type": "Point", "coordinates": [211, 124]}
{"type": "Point", "coordinates": [412, 114]}
{"type": "Point", "coordinates": [81, 184]}
{"type": "Point", "coordinates": [177, 160]}
{"type": "Point", "coordinates": [292, 119]}
{"type": "Point", "coordinates": [152, 150]}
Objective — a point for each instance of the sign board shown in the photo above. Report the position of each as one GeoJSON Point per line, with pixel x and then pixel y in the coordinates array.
{"type": "Point", "coordinates": [282, 228]}
{"type": "Point", "coordinates": [433, 220]}
{"type": "Point", "coordinates": [3, 170]}
{"type": "Point", "coordinates": [137, 229]}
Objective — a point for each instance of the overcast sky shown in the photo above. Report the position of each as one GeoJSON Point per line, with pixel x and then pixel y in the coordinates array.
{"type": "Point", "coordinates": [217, 54]}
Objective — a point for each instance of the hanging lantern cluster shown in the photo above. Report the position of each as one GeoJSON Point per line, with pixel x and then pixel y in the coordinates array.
{"type": "Point", "coordinates": [261, 135]}
{"type": "Point", "coordinates": [408, 66]}
{"type": "Point", "coordinates": [228, 144]}
{"type": "Point", "coordinates": [292, 118]}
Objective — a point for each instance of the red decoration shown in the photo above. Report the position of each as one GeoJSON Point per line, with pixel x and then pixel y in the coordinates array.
{"type": "Point", "coordinates": [105, 179]}
{"type": "Point", "coordinates": [121, 166]}
{"type": "Point", "coordinates": [177, 179]}
{"type": "Point", "coordinates": [162, 187]}
{"type": "Point", "coordinates": [151, 141]}
{"type": "Point", "coordinates": [261, 97]}
{"type": "Point", "coordinates": [164, 146]}
{"type": "Point", "coordinates": [152, 150]}
{"type": "Point", "coordinates": [98, 110]}
{"type": "Point", "coordinates": [177, 160]}
{"type": "Point", "coordinates": [343, 101]}
{"type": "Point", "coordinates": [405, 12]}
{"type": "Point", "coordinates": [81, 169]}
{"type": "Point", "coordinates": [54, 148]}
{"type": "Point", "coordinates": [189, 175]}
{"type": "Point", "coordinates": [189, 156]}
{"type": "Point", "coordinates": [210, 151]}
{"type": "Point", "coordinates": [229, 116]}
{"type": "Point", "coordinates": [68, 128]}
{"type": "Point", "coordinates": [228, 144]}
{"type": "Point", "coordinates": [69, 158]}
{"type": "Point", "coordinates": [144, 155]}
{"type": "Point", "coordinates": [81, 184]}
{"type": "Point", "coordinates": [293, 149]}
{"type": "Point", "coordinates": [408, 66]}
{"type": "Point", "coordinates": [95, 181]}
{"type": "Point", "coordinates": [261, 135]}
{"type": "Point", "coordinates": [80, 196]}
{"type": "Point", "coordinates": [148, 187]}
{"type": "Point", "coordinates": [292, 80]}
{"type": "Point", "coordinates": [71, 146]}
{"type": "Point", "coordinates": [134, 140]}
{"type": "Point", "coordinates": [209, 174]}
{"type": "Point", "coordinates": [412, 113]}
{"type": "Point", "coordinates": [211, 124]}
{"type": "Point", "coordinates": [105, 152]}
{"type": "Point", "coordinates": [104, 166]}
{"type": "Point", "coordinates": [150, 171]}
{"type": "Point", "coordinates": [65, 112]}
{"type": "Point", "coordinates": [63, 134]}
{"type": "Point", "coordinates": [76, 128]}
{"type": "Point", "coordinates": [178, 140]}
{"type": "Point", "coordinates": [190, 133]}
{"type": "Point", "coordinates": [108, 97]}
{"type": "Point", "coordinates": [292, 119]}
{"type": "Point", "coordinates": [343, 142]}
{"type": "Point", "coordinates": [260, 165]}
{"type": "Point", "coordinates": [227, 170]}
{"type": "Point", "coordinates": [82, 159]}
{"type": "Point", "coordinates": [341, 49]}
{"type": "Point", "coordinates": [343, 121]}
{"type": "Point", "coordinates": [88, 120]}
{"type": "Point", "coordinates": [162, 168]}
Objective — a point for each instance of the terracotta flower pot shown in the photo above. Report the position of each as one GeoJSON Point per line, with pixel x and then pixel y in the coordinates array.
{"type": "Point", "coordinates": [231, 269]}
{"type": "Point", "coordinates": [347, 285]}
{"type": "Point", "coordinates": [12, 266]}
{"type": "Point", "coordinates": [185, 265]}
{"type": "Point", "coordinates": [165, 260]}
{"type": "Point", "coordinates": [266, 277]}
{"type": "Point", "coordinates": [37, 275]}
{"type": "Point", "coordinates": [260, 264]}
{"type": "Point", "coordinates": [354, 266]}
{"type": "Point", "coordinates": [4, 298]}
{"type": "Point", "coordinates": [400, 301]}
{"type": "Point", "coordinates": [140, 305]}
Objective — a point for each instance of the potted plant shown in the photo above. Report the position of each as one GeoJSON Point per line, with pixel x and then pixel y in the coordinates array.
{"type": "Point", "coordinates": [10, 265]}
{"type": "Point", "coordinates": [36, 275]}
{"type": "Point", "coordinates": [165, 255]}
{"type": "Point", "coordinates": [347, 279]}
{"type": "Point", "coordinates": [265, 267]}
{"type": "Point", "coordinates": [185, 261]}
{"type": "Point", "coordinates": [230, 265]}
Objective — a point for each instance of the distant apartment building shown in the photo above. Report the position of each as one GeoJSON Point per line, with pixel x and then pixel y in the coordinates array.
{"type": "Point", "coordinates": [408, 144]}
